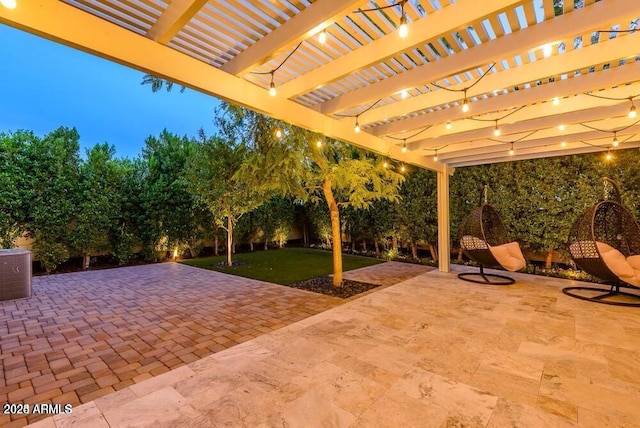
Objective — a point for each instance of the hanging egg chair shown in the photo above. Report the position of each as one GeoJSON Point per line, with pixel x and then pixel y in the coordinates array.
{"type": "Point", "coordinates": [484, 239]}
{"type": "Point", "coordinates": [605, 242]}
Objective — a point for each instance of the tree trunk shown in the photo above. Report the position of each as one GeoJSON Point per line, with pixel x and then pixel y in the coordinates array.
{"type": "Point", "coordinates": [305, 235]}
{"type": "Point", "coordinates": [414, 250]}
{"type": "Point", "coordinates": [549, 259]}
{"type": "Point", "coordinates": [377, 247]}
{"type": "Point", "coordinates": [251, 246]}
{"type": "Point", "coordinates": [335, 233]}
{"type": "Point", "coordinates": [460, 253]}
{"type": "Point", "coordinates": [394, 243]}
{"type": "Point", "coordinates": [364, 245]}
{"type": "Point", "coordinates": [86, 260]}
{"type": "Point", "coordinates": [229, 240]}
{"type": "Point", "coordinates": [215, 242]}
{"type": "Point", "coordinates": [433, 251]}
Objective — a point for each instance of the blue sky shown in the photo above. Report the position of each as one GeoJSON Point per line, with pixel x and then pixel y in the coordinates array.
{"type": "Point", "coordinates": [46, 85]}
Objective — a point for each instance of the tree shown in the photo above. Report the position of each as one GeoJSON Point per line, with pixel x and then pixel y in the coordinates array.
{"type": "Point", "coordinates": [417, 213]}
{"type": "Point", "coordinates": [295, 165]}
{"type": "Point", "coordinates": [16, 185]}
{"type": "Point", "coordinates": [55, 165]}
{"type": "Point", "coordinates": [212, 177]}
{"type": "Point", "coordinates": [176, 216]}
{"type": "Point", "coordinates": [276, 218]}
{"type": "Point", "coordinates": [97, 204]}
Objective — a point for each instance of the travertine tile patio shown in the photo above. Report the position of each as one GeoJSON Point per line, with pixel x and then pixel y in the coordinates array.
{"type": "Point", "coordinates": [84, 335]}
{"type": "Point", "coordinates": [430, 351]}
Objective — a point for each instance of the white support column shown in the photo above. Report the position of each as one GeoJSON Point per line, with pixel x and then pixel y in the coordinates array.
{"type": "Point", "coordinates": [444, 247]}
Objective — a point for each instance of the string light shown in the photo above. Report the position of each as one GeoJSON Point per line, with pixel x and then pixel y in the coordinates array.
{"type": "Point", "coordinates": [9, 4]}
{"type": "Point", "coordinates": [632, 109]}
{"type": "Point", "coordinates": [404, 146]}
{"type": "Point", "coordinates": [511, 150]}
{"type": "Point", "coordinates": [356, 128]}
{"type": "Point", "coordinates": [496, 130]}
{"type": "Point", "coordinates": [615, 142]}
{"type": "Point", "coordinates": [448, 126]}
{"type": "Point", "coordinates": [561, 127]}
{"type": "Point", "coordinates": [278, 133]}
{"type": "Point", "coordinates": [404, 94]}
{"type": "Point", "coordinates": [403, 29]}
{"type": "Point", "coordinates": [435, 156]}
{"type": "Point", "coordinates": [385, 164]}
{"type": "Point", "coordinates": [563, 144]}
{"type": "Point", "coordinates": [272, 86]}
{"type": "Point", "coordinates": [402, 168]}
{"type": "Point", "coordinates": [322, 37]}
{"type": "Point", "coordinates": [547, 50]}
{"type": "Point", "coordinates": [319, 143]}
{"type": "Point", "coordinates": [403, 32]}
{"type": "Point", "coordinates": [556, 101]}
{"type": "Point", "coordinates": [465, 103]}
{"type": "Point", "coordinates": [608, 156]}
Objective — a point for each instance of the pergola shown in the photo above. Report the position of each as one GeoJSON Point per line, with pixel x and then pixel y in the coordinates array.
{"type": "Point", "coordinates": [553, 77]}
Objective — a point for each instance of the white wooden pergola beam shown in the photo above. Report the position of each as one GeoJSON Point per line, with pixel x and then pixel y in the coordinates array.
{"type": "Point", "coordinates": [596, 16]}
{"type": "Point", "coordinates": [560, 88]}
{"type": "Point", "coordinates": [310, 21]}
{"type": "Point", "coordinates": [533, 154]}
{"type": "Point", "coordinates": [173, 19]}
{"type": "Point", "coordinates": [537, 146]}
{"type": "Point", "coordinates": [433, 25]}
{"type": "Point", "coordinates": [576, 109]}
{"type": "Point", "coordinates": [612, 50]}
{"type": "Point", "coordinates": [78, 29]}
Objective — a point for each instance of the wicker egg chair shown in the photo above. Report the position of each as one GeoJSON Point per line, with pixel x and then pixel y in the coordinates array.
{"type": "Point", "coordinates": [605, 242]}
{"type": "Point", "coordinates": [480, 235]}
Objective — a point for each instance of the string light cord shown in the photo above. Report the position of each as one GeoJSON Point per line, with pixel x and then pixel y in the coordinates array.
{"type": "Point", "coordinates": [281, 64]}
{"type": "Point", "coordinates": [362, 112]}
{"type": "Point", "coordinates": [612, 98]}
{"type": "Point", "coordinates": [498, 119]}
{"type": "Point", "coordinates": [410, 137]}
{"type": "Point", "coordinates": [610, 131]}
{"type": "Point", "coordinates": [515, 141]}
{"type": "Point", "coordinates": [374, 9]}
{"type": "Point", "coordinates": [468, 87]}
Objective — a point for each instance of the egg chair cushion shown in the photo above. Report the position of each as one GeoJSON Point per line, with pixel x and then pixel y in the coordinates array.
{"type": "Point", "coordinates": [619, 264]}
{"type": "Point", "coordinates": [509, 256]}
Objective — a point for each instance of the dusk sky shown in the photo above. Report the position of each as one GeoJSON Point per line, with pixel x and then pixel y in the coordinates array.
{"type": "Point", "coordinates": [46, 85]}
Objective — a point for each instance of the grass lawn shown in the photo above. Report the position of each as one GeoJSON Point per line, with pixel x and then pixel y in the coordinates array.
{"type": "Point", "coordinates": [283, 266]}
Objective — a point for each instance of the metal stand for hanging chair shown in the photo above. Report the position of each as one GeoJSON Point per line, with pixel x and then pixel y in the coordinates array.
{"type": "Point", "coordinates": [607, 222]}
{"type": "Point", "coordinates": [479, 230]}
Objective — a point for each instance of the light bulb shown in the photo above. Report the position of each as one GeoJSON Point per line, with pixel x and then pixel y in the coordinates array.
{"type": "Point", "coordinates": [448, 124]}
{"type": "Point", "coordinates": [385, 164]}
{"type": "Point", "coordinates": [556, 101]}
{"type": "Point", "coordinates": [511, 151]}
{"type": "Point", "coordinates": [615, 142]}
{"type": "Point", "coordinates": [403, 32]}
{"type": "Point", "coordinates": [278, 133]}
{"type": "Point", "coordinates": [465, 106]}
{"type": "Point", "coordinates": [496, 131]}
{"type": "Point", "coordinates": [435, 157]}
{"type": "Point", "coordinates": [402, 168]}
{"type": "Point", "coordinates": [632, 112]}
{"type": "Point", "coordinates": [9, 4]}
{"type": "Point", "coordinates": [322, 37]}
{"type": "Point", "coordinates": [404, 148]}
{"type": "Point", "coordinates": [272, 89]}
{"type": "Point", "coordinates": [563, 144]}
{"type": "Point", "coordinates": [561, 127]}
{"type": "Point", "coordinates": [608, 157]}
{"type": "Point", "coordinates": [404, 94]}
{"type": "Point", "coordinates": [547, 50]}
{"type": "Point", "coordinates": [319, 143]}
{"type": "Point", "coordinates": [356, 129]}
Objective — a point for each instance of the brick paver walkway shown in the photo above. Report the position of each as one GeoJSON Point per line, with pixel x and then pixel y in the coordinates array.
{"type": "Point", "coordinates": [84, 335]}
